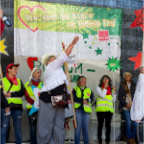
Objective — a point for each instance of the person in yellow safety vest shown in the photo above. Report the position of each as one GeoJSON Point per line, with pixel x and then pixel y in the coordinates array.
{"type": "Point", "coordinates": [83, 98]}
{"type": "Point", "coordinates": [13, 92]}
{"type": "Point", "coordinates": [106, 95]}
{"type": "Point", "coordinates": [34, 82]}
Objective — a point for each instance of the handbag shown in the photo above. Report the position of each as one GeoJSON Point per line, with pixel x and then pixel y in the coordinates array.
{"type": "Point", "coordinates": [60, 100]}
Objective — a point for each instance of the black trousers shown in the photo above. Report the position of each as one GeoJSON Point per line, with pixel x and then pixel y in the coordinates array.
{"type": "Point", "coordinates": [107, 116]}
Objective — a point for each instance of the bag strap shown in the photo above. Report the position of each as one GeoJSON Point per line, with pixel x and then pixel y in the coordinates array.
{"type": "Point", "coordinates": [10, 86]}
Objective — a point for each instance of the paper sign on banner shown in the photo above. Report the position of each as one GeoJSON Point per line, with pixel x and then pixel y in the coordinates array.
{"type": "Point", "coordinates": [103, 35]}
{"type": "Point", "coordinates": [72, 59]}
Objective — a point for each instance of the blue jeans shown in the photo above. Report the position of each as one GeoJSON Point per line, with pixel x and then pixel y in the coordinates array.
{"type": "Point", "coordinates": [32, 130]}
{"type": "Point", "coordinates": [16, 115]}
{"type": "Point", "coordinates": [82, 122]}
{"type": "Point", "coordinates": [130, 131]}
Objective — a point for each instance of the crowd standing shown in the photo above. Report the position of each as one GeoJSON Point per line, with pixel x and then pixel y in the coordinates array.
{"type": "Point", "coordinates": [47, 125]}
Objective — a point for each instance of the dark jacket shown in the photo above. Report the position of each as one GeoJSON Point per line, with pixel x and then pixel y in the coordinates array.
{"type": "Point", "coordinates": [4, 102]}
{"type": "Point", "coordinates": [80, 100]}
{"type": "Point", "coordinates": [123, 91]}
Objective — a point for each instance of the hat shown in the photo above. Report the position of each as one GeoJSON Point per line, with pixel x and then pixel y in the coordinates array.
{"type": "Point", "coordinates": [127, 73]}
{"type": "Point", "coordinates": [81, 77]}
{"type": "Point", "coordinates": [10, 65]}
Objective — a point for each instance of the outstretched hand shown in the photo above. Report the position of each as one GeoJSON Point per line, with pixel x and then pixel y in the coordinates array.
{"type": "Point", "coordinates": [75, 40]}
{"type": "Point", "coordinates": [70, 47]}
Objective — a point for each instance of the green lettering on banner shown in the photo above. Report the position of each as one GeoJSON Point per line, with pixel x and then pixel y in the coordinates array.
{"type": "Point", "coordinates": [36, 64]}
{"type": "Point", "coordinates": [80, 66]}
{"type": "Point", "coordinates": [71, 70]}
{"type": "Point", "coordinates": [74, 78]}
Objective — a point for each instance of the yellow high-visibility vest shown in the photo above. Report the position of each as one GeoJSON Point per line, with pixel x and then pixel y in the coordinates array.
{"type": "Point", "coordinates": [14, 88]}
{"type": "Point", "coordinates": [104, 104]}
{"type": "Point", "coordinates": [86, 93]}
{"type": "Point", "coordinates": [30, 93]}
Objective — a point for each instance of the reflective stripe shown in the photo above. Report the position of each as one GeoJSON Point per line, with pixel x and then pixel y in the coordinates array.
{"type": "Point", "coordinates": [99, 105]}
{"type": "Point", "coordinates": [105, 100]}
{"type": "Point", "coordinates": [87, 105]}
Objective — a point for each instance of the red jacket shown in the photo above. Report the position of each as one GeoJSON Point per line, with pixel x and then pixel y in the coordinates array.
{"type": "Point", "coordinates": [1, 26]}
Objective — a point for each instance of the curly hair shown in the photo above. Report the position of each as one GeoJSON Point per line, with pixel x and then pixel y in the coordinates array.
{"type": "Point", "coordinates": [101, 81]}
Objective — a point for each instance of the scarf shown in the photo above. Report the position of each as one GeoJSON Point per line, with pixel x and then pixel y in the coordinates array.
{"type": "Point", "coordinates": [35, 82]}
{"type": "Point", "coordinates": [108, 89]}
{"type": "Point", "coordinates": [82, 88]}
{"type": "Point", "coordinates": [13, 80]}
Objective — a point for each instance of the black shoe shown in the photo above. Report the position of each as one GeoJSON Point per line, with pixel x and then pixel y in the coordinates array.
{"type": "Point", "coordinates": [107, 142]}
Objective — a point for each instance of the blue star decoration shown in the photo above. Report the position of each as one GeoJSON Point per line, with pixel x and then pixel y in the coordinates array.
{"type": "Point", "coordinates": [85, 35]}
{"type": "Point", "coordinates": [98, 51]}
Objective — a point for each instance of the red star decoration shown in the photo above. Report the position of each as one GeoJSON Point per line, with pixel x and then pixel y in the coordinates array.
{"type": "Point", "coordinates": [137, 60]}
{"type": "Point", "coordinates": [139, 21]}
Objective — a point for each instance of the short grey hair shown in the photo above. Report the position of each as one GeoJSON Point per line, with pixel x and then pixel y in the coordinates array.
{"type": "Point", "coordinates": [46, 58]}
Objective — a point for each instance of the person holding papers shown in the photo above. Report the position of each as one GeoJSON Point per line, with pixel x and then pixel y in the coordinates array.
{"type": "Point", "coordinates": [34, 82]}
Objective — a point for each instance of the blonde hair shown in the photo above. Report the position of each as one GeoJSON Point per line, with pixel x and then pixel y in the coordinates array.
{"type": "Point", "coordinates": [46, 58]}
{"type": "Point", "coordinates": [78, 82]}
{"type": "Point", "coordinates": [31, 76]}
{"type": "Point", "coordinates": [127, 73]}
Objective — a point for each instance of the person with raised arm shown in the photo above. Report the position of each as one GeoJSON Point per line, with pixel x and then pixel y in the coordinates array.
{"type": "Point", "coordinates": [51, 115]}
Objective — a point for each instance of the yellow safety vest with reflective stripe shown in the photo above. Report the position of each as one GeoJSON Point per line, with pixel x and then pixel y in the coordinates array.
{"type": "Point", "coordinates": [105, 104]}
{"type": "Point", "coordinates": [30, 93]}
{"type": "Point", "coordinates": [86, 95]}
{"type": "Point", "coordinates": [14, 88]}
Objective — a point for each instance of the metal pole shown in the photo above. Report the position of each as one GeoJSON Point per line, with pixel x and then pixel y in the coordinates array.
{"type": "Point", "coordinates": [114, 107]}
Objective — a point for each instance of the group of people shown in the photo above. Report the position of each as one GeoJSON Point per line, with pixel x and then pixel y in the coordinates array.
{"type": "Point", "coordinates": [47, 125]}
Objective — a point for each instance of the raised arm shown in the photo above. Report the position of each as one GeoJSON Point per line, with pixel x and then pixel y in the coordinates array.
{"type": "Point", "coordinates": [57, 63]}
{"type": "Point", "coordinates": [101, 93]}
{"type": "Point", "coordinates": [70, 47]}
